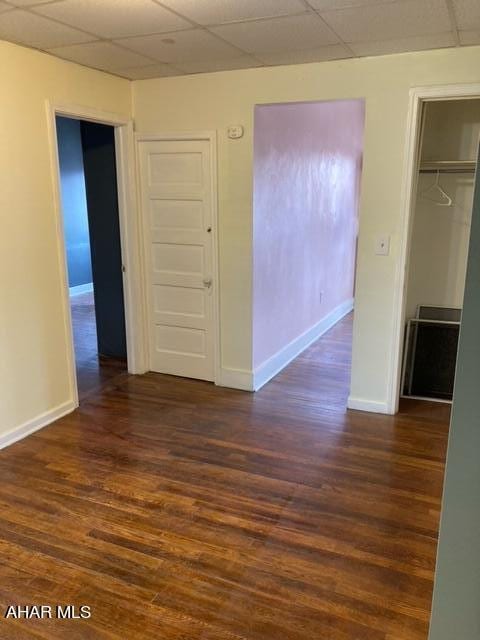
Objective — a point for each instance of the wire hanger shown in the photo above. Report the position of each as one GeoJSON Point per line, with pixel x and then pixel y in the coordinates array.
{"type": "Point", "coordinates": [435, 187]}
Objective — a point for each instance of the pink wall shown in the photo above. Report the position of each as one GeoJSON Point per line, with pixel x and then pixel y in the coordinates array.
{"type": "Point", "coordinates": [307, 165]}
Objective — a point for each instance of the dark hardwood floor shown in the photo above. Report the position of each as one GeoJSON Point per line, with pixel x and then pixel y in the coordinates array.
{"type": "Point", "coordinates": [178, 510]}
{"type": "Point", "coordinates": [93, 371]}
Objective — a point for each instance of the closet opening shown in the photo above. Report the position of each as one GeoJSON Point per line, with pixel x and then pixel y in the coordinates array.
{"type": "Point", "coordinates": [438, 248]}
{"type": "Point", "coordinates": [91, 227]}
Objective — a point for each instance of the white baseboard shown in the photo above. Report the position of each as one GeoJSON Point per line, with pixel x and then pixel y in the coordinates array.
{"type": "Point", "coordinates": [81, 288]}
{"type": "Point", "coordinates": [360, 404]}
{"type": "Point", "coordinates": [268, 369]}
{"type": "Point", "coordinates": [235, 379]}
{"type": "Point", "coordinates": [25, 429]}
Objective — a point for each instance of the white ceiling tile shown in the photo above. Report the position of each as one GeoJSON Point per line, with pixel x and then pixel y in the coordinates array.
{"type": "Point", "coordinates": [467, 14]}
{"type": "Point", "coordinates": [401, 45]}
{"type": "Point", "coordinates": [219, 11]}
{"type": "Point", "coordinates": [187, 46]}
{"type": "Point", "coordinates": [156, 38]}
{"type": "Point", "coordinates": [115, 18]}
{"type": "Point", "coordinates": [278, 34]}
{"type": "Point", "coordinates": [469, 37]}
{"type": "Point", "coordinates": [101, 55]}
{"type": "Point", "coordinates": [27, 3]}
{"type": "Point", "coordinates": [152, 71]}
{"type": "Point", "coordinates": [26, 28]}
{"type": "Point", "coordinates": [242, 62]}
{"type": "Point", "coordinates": [325, 5]}
{"type": "Point", "coordinates": [390, 20]}
{"type": "Point", "coordinates": [321, 54]}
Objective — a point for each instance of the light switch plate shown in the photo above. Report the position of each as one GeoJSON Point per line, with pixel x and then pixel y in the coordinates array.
{"type": "Point", "coordinates": [382, 245]}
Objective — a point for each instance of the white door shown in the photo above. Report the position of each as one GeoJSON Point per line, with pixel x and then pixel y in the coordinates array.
{"type": "Point", "coordinates": [176, 192]}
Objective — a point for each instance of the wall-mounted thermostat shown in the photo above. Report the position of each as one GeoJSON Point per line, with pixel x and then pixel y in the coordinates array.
{"type": "Point", "coordinates": [235, 131]}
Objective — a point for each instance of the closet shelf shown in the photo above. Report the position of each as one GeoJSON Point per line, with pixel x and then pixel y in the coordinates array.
{"type": "Point", "coordinates": [448, 166]}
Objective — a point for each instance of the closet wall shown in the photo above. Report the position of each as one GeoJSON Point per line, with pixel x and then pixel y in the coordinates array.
{"type": "Point", "coordinates": [440, 235]}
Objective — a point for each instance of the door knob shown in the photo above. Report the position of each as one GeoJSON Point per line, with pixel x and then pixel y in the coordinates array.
{"type": "Point", "coordinates": [207, 282]}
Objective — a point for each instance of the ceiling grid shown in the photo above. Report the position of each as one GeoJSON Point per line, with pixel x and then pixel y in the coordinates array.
{"type": "Point", "coordinates": [157, 38]}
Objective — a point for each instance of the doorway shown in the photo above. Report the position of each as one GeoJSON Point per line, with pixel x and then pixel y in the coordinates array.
{"type": "Point", "coordinates": [307, 173]}
{"type": "Point", "coordinates": [437, 250]}
{"type": "Point", "coordinates": [89, 196]}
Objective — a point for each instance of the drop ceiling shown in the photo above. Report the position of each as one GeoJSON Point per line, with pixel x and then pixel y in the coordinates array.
{"type": "Point", "coordinates": [151, 38]}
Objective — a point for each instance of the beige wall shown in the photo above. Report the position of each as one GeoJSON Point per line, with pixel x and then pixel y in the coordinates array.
{"type": "Point", "coordinates": [451, 130]}
{"type": "Point", "coordinates": [33, 361]}
{"type": "Point", "coordinates": [213, 101]}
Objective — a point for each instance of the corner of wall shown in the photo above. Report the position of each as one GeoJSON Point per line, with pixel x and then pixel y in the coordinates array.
{"type": "Point", "coordinates": [235, 379]}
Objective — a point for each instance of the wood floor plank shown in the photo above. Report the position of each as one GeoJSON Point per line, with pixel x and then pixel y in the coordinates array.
{"type": "Point", "coordinates": [179, 510]}
{"type": "Point", "coordinates": [93, 371]}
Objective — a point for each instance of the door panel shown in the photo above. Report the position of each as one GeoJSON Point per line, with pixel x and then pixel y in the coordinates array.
{"type": "Point", "coordinates": [184, 305]}
{"type": "Point", "coordinates": [176, 188]}
{"type": "Point", "coordinates": [170, 167]}
{"type": "Point", "coordinates": [177, 215]}
{"type": "Point", "coordinates": [178, 259]}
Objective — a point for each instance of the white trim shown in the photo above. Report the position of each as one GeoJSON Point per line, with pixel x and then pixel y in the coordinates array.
{"type": "Point", "coordinates": [132, 250]}
{"type": "Point", "coordinates": [235, 379]}
{"type": "Point", "coordinates": [360, 404]}
{"type": "Point", "coordinates": [81, 288]}
{"type": "Point", "coordinates": [216, 257]}
{"type": "Point", "coordinates": [61, 251]}
{"type": "Point", "coordinates": [129, 233]}
{"type": "Point", "coordinates": [211, 138]}
{"type": "Point", "coordinates": [44, 419]}
{"type": "Point", "coordinates": [88, 113]}
{"type": "Point", "coordinates": [268, 369]}
{"type": "Point", "coordinates": [418, 95]}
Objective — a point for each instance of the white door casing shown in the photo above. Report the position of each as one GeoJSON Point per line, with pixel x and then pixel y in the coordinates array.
{"type": "Point", "coordinates": [418, 96]}
{"type": "Point", "coordinates": [129, 234]}
{"type": "Point", "coordinates": [176, 188]}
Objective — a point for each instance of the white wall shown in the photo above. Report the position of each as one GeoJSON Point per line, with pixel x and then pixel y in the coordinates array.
{"type": "Point", "coordinates": [440, 235]}
{"type": "Point", "coordinates": [214, 101]}
{"type": "Point", "coordinates": [439, 245]}
{"type": "Point", "coordinates": [34, 380]}
{"type": "Point", "coordinates": [452, 130]}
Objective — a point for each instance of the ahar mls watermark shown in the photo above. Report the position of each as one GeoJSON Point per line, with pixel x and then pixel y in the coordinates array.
{"type": "Point", "coordinates": [47, 612]}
